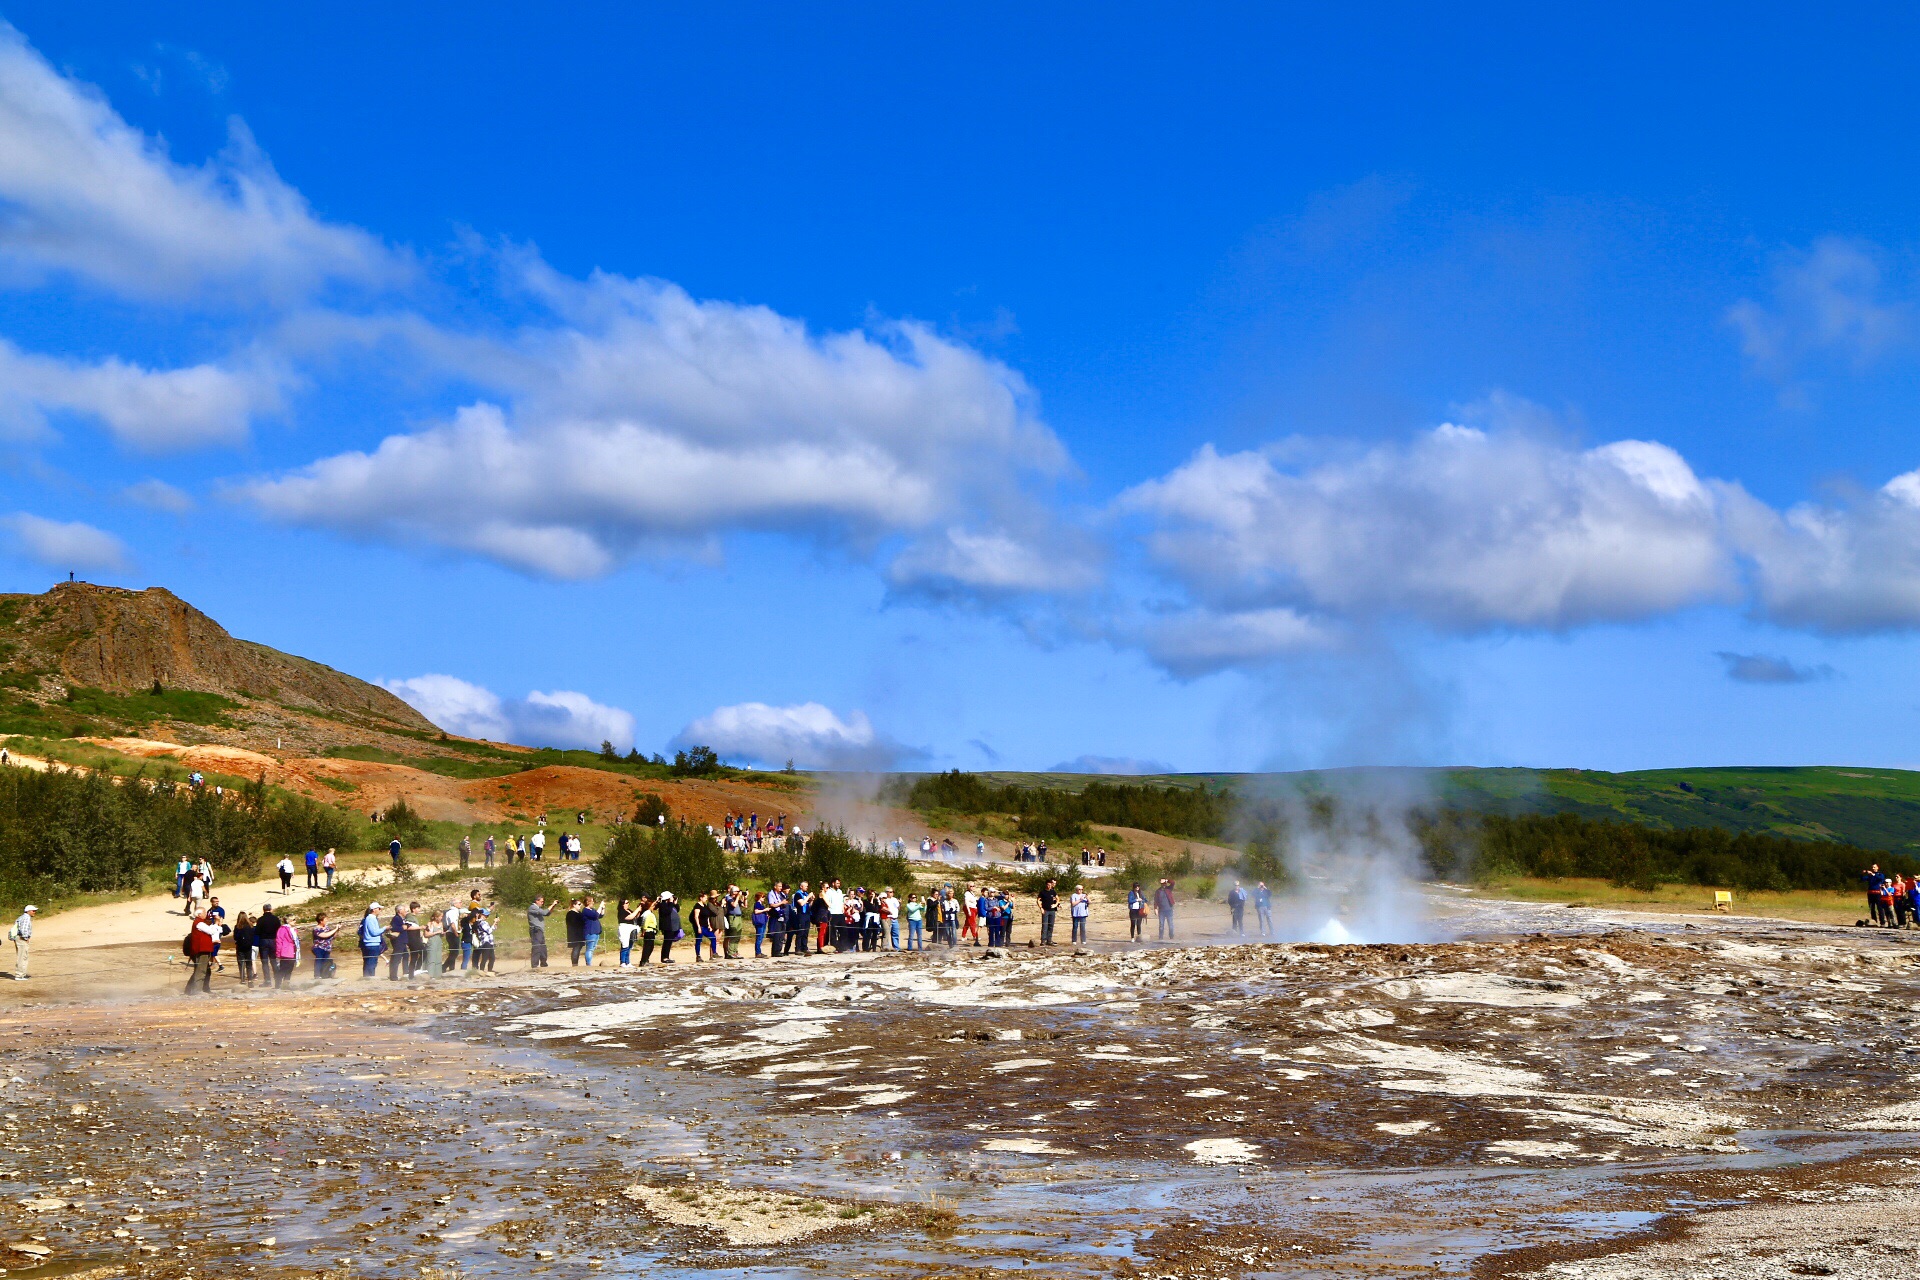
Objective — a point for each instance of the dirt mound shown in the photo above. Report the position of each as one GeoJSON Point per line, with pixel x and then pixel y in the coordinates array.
{"type": "Point", "coordinates": [123, 641]}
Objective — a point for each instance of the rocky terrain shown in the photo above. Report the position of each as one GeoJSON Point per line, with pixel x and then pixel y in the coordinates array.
{"type": "Point", "coordinates": [1711, 1098]}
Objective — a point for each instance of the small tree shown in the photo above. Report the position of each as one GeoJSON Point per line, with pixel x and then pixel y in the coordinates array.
{"type": "Point", "coordinates": [650, 810]}
{"type": "Point", "coordinates": [607, 752]}
{"type": "Point", "coordinates": [696, 762]}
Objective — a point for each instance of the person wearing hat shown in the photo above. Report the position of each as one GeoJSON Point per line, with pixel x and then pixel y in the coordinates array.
{"type": "Point", "coordinates": [373, 939]}
{"type": "Point", "coordinates": [22, 933]}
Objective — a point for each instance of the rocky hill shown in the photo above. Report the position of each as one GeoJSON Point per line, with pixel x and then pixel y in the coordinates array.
{"type": "Point", "coordinates": [82, 658]}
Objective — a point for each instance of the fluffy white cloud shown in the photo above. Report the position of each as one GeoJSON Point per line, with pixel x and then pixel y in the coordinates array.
{"type": "Point", "coordinates": [559, 719]}
{"type": "Point", "coordinates": [645, 420]}
{"type": "Point", "coordinates": [1196, 642]}
{"type": "Point", "coordinates": [84, 193]}
{"type": "Point", "coordinates": [1463, 529]}
{"type": "Point", "coordinates": [809, 734]}
{"type": "Point", "coordinates": [64, 546]}
{"type": "Point", "coordinates": [1829, 299]}
{"type": "Point", "coordinates": [1845, 567]}
{"type": "Point", "coordinates": [146, 409]}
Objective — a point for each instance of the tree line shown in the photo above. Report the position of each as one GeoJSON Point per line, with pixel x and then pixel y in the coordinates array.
{"type": "Point", "coordinates": [68, 831]}
{"type": "Point", "coordinates": [1459, 843]}
{"type": "Point", "coordinates": [1050, 814]}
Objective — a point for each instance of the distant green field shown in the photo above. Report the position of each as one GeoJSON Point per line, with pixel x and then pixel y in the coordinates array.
{"type": "Point", "coordinates": [1872, 808]}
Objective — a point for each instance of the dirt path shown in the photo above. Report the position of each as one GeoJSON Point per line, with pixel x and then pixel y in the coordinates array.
{"type": "Point", "coordinates": [161, 917]}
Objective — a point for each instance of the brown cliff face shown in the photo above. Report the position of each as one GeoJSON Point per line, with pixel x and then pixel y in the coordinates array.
{"type": "Point", "coordinates": [80, 634]}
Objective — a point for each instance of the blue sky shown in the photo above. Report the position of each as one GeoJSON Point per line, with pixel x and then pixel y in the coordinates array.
{"type": "Point", "coordinates": [971, 385]}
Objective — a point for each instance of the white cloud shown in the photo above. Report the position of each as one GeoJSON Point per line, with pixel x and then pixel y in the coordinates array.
{"type": "Point", "coordinates": [64, 546]}
{"type": "Point", "coordinates": [809, 734]}
{"type": "Point", "coordinates": [1197, 642]}
{"type": "Point", "coordinates": [558, 719]}
{"type": "Point", "coordinates": [84, 193]}
{"type": "Point", "coordinates": [1829, 299]}
{"type": "Point", "coordinates": [158, 495]}
{"type": "Point", "coordinates": [145, 409]}
{"type": "Point", "coordinates": [646, 421]}
{"type": "Point", "coordinates": [1842, 567]}
{"type": "Point", "coordinates": [1460, 528]}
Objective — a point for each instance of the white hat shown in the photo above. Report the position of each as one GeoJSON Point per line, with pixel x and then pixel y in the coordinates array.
{"type": "Point", "coordinates": [33, 908]}
{"type": "Point", "coordinates": [373, 906]}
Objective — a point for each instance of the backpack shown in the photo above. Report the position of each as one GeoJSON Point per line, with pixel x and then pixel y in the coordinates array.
{"type": "Point", "coordinates": [186, 945]}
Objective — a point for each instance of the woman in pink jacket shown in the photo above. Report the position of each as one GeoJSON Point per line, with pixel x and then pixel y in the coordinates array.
{"type": "Point", "coordinates": [286, 953]}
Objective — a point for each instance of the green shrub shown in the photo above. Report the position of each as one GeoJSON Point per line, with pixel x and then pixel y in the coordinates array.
{"type": "Point", "coordinates": [642, 861]}
{"type": "Point", "coordinates": [518, 885]}
{"type": "Point", "coordinates": [401, 821]}
{"type": "Point", "coordinates": [826, 855]}
{"type": "Point", "coordinates": [650, 810]}
{"type": "Point", "coordinates": [1068, 879]}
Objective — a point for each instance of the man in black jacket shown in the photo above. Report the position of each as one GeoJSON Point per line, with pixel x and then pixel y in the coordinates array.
{"type": "Point", "coordinates": [266, 932]}
{"type": "Point", "coordinates": [576, 931]}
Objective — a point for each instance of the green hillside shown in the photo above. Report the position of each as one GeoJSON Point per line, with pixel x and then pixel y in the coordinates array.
{"type": "Point", "coordinates": [1872, 808]}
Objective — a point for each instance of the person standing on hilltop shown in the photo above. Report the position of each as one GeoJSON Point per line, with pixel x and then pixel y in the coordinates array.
{"type": "Point", "coordinates": [22, 934]}
{"type": "Point", "coordinates": [537, 933]}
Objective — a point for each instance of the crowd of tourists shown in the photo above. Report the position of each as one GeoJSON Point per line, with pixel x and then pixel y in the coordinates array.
{"type": "Point", "coordinates": [740, 833]}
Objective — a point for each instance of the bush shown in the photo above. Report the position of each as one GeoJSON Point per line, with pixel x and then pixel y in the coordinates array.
{"type": "Point", "coordinates": [650, 810]}
{"type": "Point", "coordinates": [641, 861]}
{"type": "Point", "coordinates": [401, 821]}
{"type": "Point", "coordinates": [518, 885]}
{"type": "Point", "coordinates": [826, 855]}
{"type": "Point", "coordinates": [1068, 879]}
{"type": "Point", "coordinates": [294, 824]}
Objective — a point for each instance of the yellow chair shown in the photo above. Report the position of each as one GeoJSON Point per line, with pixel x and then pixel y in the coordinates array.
{"type": "Point", "coordinates": [1722, 900]}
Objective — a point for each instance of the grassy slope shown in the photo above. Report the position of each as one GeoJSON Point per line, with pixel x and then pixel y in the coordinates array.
{"type": "Point", "coordinates": [1873, 808]}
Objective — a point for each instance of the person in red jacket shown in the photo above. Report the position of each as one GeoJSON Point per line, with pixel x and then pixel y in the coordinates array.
{"type": "Point", "coordinates": [202, 939]}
